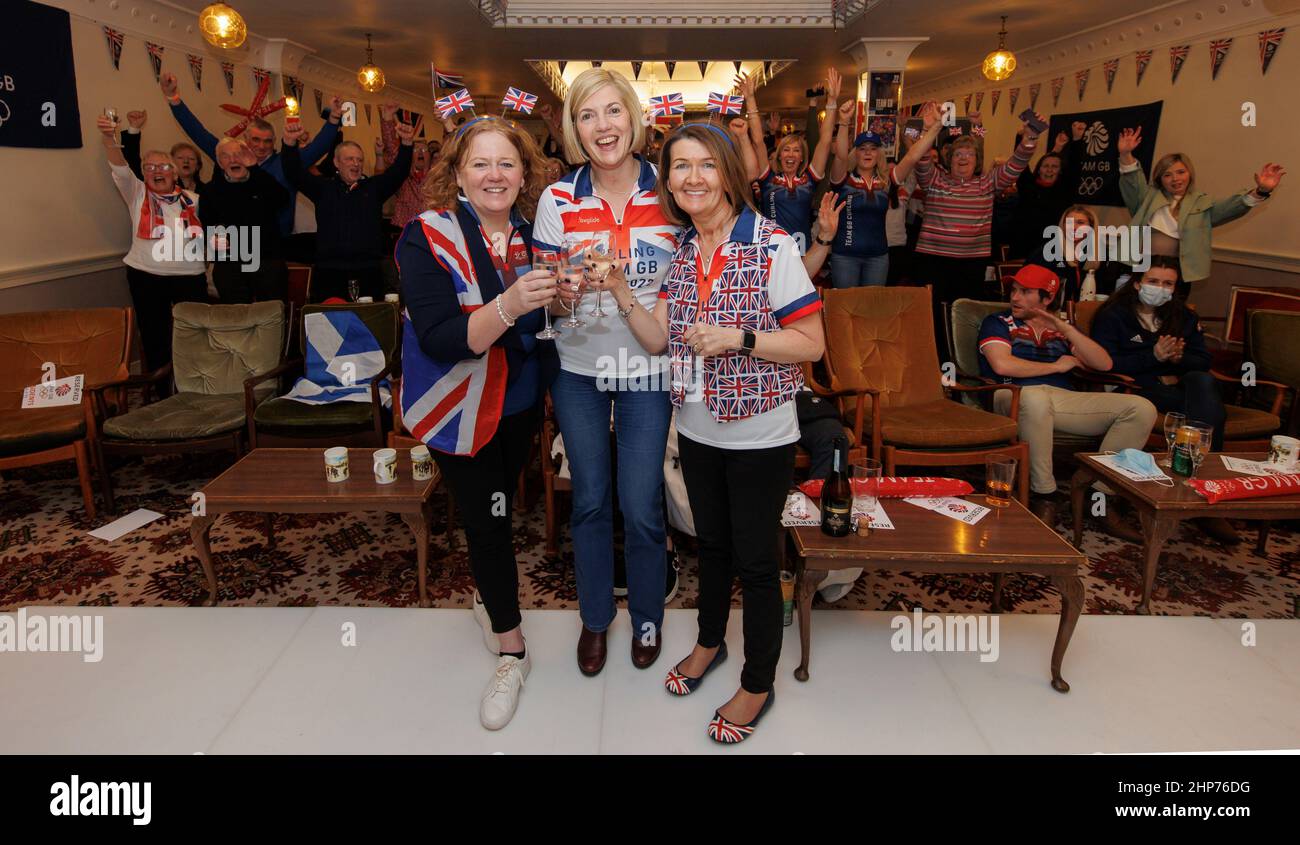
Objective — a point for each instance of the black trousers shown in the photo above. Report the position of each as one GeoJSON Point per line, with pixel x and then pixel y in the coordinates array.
{"type": "Point", "coordinates": [1197, 396]}
{"type": "Point", "coordinates": [153, 297]}
{"type": "Point", "coordinates": [483, 487]}
{"type": "Point", "coordinates": [736, 497]}
{"type": "Point", "coordinates": [951, 279]}
{"type": "Point", "coordinates": [269, 281]}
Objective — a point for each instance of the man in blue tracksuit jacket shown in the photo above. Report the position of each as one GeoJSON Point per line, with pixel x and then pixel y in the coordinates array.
{"type": "Point", "coordinates": [260, 137]}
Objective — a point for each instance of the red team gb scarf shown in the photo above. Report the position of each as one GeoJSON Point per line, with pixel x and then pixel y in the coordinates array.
{"type": "Point", "coordinates": [152, 225]}
{"type": "Point", "coordinates": [1247, 488]}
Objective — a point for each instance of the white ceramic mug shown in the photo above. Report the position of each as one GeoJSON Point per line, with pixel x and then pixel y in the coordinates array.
{"type": "Point", "coordinates": [390, 297]}
{"type": "Point", "coordinates": [336, 464]}
{"type": "Point", "coordinates": [1284, 451]}
{"type": "Point", "coordinates": [385, 466]}
{"type": "Point", "coordinates": [365, 299]}
{"type": "Point", "coordinates": [421, 463]}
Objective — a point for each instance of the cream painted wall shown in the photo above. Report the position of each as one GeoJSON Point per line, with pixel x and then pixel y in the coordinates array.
{"type": "Point", "coordinates": [70, 211]}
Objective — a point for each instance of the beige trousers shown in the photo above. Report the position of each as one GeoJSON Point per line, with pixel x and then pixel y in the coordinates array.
{"type": "Point", "coordinates": [1121, 420]}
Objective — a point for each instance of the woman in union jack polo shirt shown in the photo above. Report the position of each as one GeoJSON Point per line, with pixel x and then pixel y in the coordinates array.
{"type": "Point", "coordinates": [738, 315]}
{"type": "Point", "coordinates": [473, 370]}
{"type": "Point", "coordinates": [604, 370]}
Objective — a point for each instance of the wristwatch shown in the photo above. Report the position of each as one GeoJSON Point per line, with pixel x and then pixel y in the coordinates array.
{"type": "Point", "coordinates": [819, 240]}
{"type": "Point", "coordinates": [748, 339]}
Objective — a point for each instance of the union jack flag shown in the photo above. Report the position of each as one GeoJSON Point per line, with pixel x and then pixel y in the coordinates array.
{"type": "Point", "coordinates": [447, 78]}
{"type": "Point", "coordinates": [1269, 41]}
{"type": "Point", "coordinates": [452, 103]}
{"type": "Point", "coordinates": [114, 45]}
{"type": "Point", "coordinates": [668, 104]}
{"type": "Point", "coordinates": [520, 101]}
{"type": "Point", "coordinates": [1177, 55]}
{"type": "Point", "coordinates": [725, 103]}
{"type": "Point", "coordinates": [1218, 52]}
{"type": "Point", "coordinates": [155, 57]}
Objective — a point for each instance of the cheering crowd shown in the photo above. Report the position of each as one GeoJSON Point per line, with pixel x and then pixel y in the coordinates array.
{"type": "Point", "coordinates": [703, 243]}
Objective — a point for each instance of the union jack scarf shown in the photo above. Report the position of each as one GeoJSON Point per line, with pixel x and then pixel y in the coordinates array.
{"type": "Point", "coordinates": [153, 225]}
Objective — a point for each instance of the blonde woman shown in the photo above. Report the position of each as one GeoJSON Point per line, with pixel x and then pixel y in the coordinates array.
{"type": "Point", "coordinates": [1075, 254]}
{"type": "Point", "coordinates": [604, 370]}
{"type": "Point", "coordinates": [1180, 216]}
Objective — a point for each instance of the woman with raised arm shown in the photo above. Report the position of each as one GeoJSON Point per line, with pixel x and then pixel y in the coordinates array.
{"type": "Point", "coordinates": [1180, 216]}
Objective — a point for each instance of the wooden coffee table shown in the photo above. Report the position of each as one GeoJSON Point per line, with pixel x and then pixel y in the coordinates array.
{"type": "Point", "coordinates": [1161, 508]}
{"type": "Point", "coordinates": [274, 481]}
{"type": "Point", "coordinates": [1010, 539]}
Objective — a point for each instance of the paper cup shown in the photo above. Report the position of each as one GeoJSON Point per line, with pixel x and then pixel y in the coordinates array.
{"type": "Point", "coordinates": [421, 463]}
{"type": "Point", "coordinates": [385, 466]}
{"type": "Point", "coordinates": [336, 464]}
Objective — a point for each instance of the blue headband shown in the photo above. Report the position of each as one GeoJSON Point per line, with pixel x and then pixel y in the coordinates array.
{"type": "Point", "coordinates": [713, 127]}
{"type": "Point", "coordinates": [467, 124]}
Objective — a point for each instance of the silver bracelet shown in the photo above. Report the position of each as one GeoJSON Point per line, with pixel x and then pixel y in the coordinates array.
{"type": "Point", "coordinates": [501, 311]}
{"type": "Point", "coordinates": [628, 313]}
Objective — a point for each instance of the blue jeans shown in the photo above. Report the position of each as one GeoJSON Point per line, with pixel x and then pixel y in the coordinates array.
{"type": "Point", "coordinates": [852, 271]}
{"type": "Point", "coordinates": [641, 417]}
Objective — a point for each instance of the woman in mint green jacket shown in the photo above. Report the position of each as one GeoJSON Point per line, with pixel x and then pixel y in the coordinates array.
{"type": "Point", "coordinates": [1181, 217]}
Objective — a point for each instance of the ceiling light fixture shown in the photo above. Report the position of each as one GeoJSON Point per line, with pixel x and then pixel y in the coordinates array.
{"type": "Point", "coordinates": [222, 26]}
{"type": "Point", "coordinates": [1001, 63]}
{"type": "Point", "coordinates": [370, 75]}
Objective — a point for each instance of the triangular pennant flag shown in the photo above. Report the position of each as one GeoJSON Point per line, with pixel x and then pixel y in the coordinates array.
{"type": "Point", "coordinates": [1177, 55]}
{"type": "Point", "coordinates": [1218, 52]}
{"type": "Point", "coordinates": [1057, 84]}
{"type": "Point", "coordinates": [636, 70]}
{"type": "Point", "coordinates": [368, 114]}
{"type": "Point", "coordinates": [1015, 95]}
{"type": "Point", "coordinates": [737, 64]}
{"type": "Point", "coordinates": [562, 64]}
{"type": "Point", "coordinates": [114, 39]}
{"type": "Point", "coordinates": [1081, 80]}
{"type": "Point", "coordinates": [155, 58]}
{"type": "Point", "coordinates": [228, 73]}
{"type": "Point", "coordinates": [319, 104]}
{"type": "Point", "coordinates": [1110, 68]}
{"type": "Point", "coordinates": [672, 66]}
{"type": "Point", "coordinates": [597, 63]}
{"type": "Point", "coordinates": [1269, 41]}
{"type": "Point", "coordinates": [997, 93]}
{"type": "Point", "coordinates": [260, 74]}
{"type": "Point", "coordinates": [979, 101]}
{"type": "Point", "coordinates": [1143, 59]}
{"type": "Point", "coordinates": [966, 104]}
{"type": "Point", "coordinates": [704, 68]}
{"type": "Point", "coordinates": [292, 86]}
{"type": "Point", "coordinates": [1033, 94]}
{"type": "Point", "coordinates": [196, 70]}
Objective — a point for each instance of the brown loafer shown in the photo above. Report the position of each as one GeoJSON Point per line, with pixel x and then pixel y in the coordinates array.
{"type": "Point", "coordinates": [591, 651]}
{"type": "Point", "coordinates": [644, 656]}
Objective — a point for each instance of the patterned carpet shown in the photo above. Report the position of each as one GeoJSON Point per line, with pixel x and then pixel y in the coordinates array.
{"type": "Point", "coordinates": [46, 557]}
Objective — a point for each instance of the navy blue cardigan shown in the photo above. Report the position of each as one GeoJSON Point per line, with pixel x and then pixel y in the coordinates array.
{"type": "Point", "coordinates": [1132, 346]}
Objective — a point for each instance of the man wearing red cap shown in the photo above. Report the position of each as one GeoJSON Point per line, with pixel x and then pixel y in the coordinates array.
{"type": "Point", "coordinates": [1032, 347]}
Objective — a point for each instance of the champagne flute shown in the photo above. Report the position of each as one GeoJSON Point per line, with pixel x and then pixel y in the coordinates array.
{"type": "Point", "coordinates": [602, 261]}
{"type": "Point", "coordinates": [550, 263]}
{"type": "Point", "coordinates": [1173, 422]}
{"type": "Point", "coordinates": [573, 270]}
{"type": "Point", "coordinates": [1199, 447]}
{"type": "Point", "coordinates": [111, 114]}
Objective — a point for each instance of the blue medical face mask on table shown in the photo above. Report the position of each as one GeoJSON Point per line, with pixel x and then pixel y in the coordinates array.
{"type": "Point", "coordinates": [1154, 296]}
{"type": "Point", "coordinates": [1138, 461]}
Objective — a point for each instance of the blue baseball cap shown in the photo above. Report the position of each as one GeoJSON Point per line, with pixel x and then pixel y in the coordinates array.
{"type": "Point", "coordinates": [868, 138]}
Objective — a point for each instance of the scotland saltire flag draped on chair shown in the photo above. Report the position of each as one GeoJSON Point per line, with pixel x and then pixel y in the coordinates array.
{"type": "Point", "coordinates": [451, 406]}
{"type": "Point", "coordinates": [342, 359]}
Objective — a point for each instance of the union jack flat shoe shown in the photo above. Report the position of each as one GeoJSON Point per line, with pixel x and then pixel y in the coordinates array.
{"type": "Point", "coordinates": [729, 733]}
{"type": "Point", "coordinates": [678, 684]}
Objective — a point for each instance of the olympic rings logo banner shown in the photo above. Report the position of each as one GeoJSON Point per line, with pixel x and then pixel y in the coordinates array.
{"type": "Point", "coordinates": [1099, 165]}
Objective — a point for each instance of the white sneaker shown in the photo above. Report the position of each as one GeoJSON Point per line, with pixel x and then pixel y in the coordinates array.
{"type": "Point", "coordinates": [502, 695]}
{"type": "Point", "coordinates": [480, 613]}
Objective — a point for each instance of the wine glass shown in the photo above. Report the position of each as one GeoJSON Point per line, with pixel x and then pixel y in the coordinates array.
{"type": "Point", "coordinates": [1173, 422]}
{"type": "Point", "coordinates": [111, 114]}
{"type": "Point", "coordinates": [549, 262]}
{"type": "Point", "coordinates": [573, 271]}
{"type": "Point", "coordinates": [601, 260]}
{"type": "Point", "coordinates": [1199, 446]}
{"type": "Point", "coordinates": [354, 289]}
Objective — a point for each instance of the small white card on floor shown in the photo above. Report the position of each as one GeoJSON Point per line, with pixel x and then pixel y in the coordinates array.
{"type": "Point", "coordinates": [951, 506]}
{"type": "Point", "coordinates": [119, 527]}
{"type": "Point", "coordinates": [879, 519]}
{"type": "Point", "coordinates": [799, 510]}
{"type": "Point", "coordinates": [1112, 461]}
{"type": "Point", "coordinates": [1253, 467]}
{"type": "Point", "coordinates": [50, 394]}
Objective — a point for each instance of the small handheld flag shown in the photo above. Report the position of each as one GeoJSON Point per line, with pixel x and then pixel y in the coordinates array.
{"type": "Point", "coordinates": [447, 78]}
{"type": "Point", "coordinates": [667, 105]}
{"type": "Point", "coordinates": [520, 101]}
{"type": "Point", "coordinates": [452, 103]}
{"type": "Point", "coordinates": [725, 103]}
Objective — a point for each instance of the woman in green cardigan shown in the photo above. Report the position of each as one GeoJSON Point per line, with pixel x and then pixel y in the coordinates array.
{"type": "Point", "coordinates": [1180, 217]}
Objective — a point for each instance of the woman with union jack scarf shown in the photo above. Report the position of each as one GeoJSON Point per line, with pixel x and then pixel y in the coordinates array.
{"type": "Point", "coordinates": [738, 314]}
{"type": "Point", "coordinates": [473, 370]}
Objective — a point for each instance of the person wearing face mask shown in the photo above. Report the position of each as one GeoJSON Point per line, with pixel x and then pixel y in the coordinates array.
{"type": "Point", "coordinates": [737, 315]}
{"type": "Point", "coordinates": [1072, 257]}
{"type": "Point", "coordinates": [1044, 192]}
{"type": "Point", "coordinates": [787, 189]}
{"type": "Point", "coordinates": [164, 220]}
{"type": "Point", "coordinates": [605, 370]}
{"type": "Point", "coordinates": [1180, 216]}
{"type": "Point", "coordinates": [351, 242]}
{"type": "Point", "coordinates": [473, 311]}
{"type": "Point", "coordinates": [954, 245]}
{"type": "Point", "coordinates": [409, 200]}
{"type": "Point", "coordinates": [260, 136]}
{"type": "Point", "coordinates": [242, 203]}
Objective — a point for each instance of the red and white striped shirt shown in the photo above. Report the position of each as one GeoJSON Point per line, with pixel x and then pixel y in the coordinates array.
{"type": "Point", "coordinates": [959, 214]}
